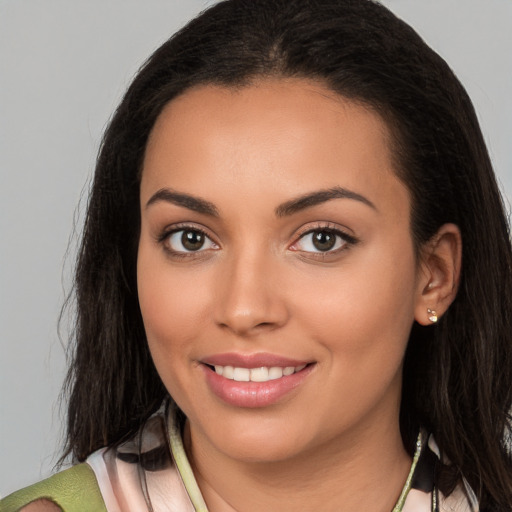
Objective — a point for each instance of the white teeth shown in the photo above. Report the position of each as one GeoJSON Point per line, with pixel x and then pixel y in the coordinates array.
{"type": "Point", "coordinates": [242, 374]}
{"type": "Point", "coordinates": [259, 374]}
{"type": "Point", "coordinates": [228, 372]}
{"type": "Point", "coordinates": [262, 374]}
{"type": "Point", "coordinates": [275, 373]}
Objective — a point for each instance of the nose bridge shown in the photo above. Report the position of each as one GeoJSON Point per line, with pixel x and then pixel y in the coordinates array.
{"type": "Point", "coordinates": [249, 296]}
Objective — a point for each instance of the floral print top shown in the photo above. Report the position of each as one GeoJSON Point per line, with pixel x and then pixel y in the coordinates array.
{"type": "Point", "coordinates": [151, 473]}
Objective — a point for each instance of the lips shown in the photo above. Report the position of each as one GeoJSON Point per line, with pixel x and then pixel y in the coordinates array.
{"type": "Point", "coordinates": [255, 380]}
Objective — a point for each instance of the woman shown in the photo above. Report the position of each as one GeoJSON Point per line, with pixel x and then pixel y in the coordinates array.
{"type": "Point", "coordinates": [295, 232]}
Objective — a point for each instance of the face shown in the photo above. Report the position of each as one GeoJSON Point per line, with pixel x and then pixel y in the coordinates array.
{"type": "Point", "coordinates": [276, 272]}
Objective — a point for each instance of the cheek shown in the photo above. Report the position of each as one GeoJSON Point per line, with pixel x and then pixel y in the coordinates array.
{"type": "Point", "coordinates": [365, 311]}
{"type": "Point", "coordinates": [172, 308]}
{"type": "Point", "coordinates": [171, 326]}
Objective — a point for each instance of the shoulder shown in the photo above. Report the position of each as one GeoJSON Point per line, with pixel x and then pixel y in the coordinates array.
{"type": "Point", "coordinates": [41, 505]}
{"type": "Point", "coordinates": [148, 471]}
{"type": "Point", "coordinates": [74, 489]}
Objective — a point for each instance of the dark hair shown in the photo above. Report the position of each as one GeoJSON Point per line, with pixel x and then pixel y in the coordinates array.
{"type": "Point", "coordinates": [458, 374]}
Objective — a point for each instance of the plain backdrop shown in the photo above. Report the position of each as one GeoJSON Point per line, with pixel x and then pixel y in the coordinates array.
{"type": "Point", "coordinates": [64, 65]}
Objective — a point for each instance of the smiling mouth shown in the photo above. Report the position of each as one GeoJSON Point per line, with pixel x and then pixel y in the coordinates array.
{"type": "Point", "coordinates": [260, 374]}
{"type": "Point", "coordinates": [254, 381]}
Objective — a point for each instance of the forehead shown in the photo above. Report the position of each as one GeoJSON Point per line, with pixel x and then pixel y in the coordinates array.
{"type": "Point", "coordinates": [268, 105]}
{"type": "Point", "coordinates": [272, 136]}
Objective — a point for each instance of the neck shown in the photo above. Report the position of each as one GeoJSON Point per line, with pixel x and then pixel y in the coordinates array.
{"type": "Point", "coordinates": [360, 470]}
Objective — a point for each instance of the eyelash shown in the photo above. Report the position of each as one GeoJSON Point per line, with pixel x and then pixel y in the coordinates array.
{"type": "Point", "coordinates": [165, 236]}
{"type": "Point", "coordinates": [347, 240]}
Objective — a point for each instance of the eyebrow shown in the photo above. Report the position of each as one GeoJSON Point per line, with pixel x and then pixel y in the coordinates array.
{"type": "Point", "coordinates": [319, 197]}
{"type": "Point", "coordinates": [178, 198]}
{"type": "Point", "coordinates": [285, 209]}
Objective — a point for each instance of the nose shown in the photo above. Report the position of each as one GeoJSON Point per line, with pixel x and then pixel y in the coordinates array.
{"type": "Point", "coordinates": [250, 295]}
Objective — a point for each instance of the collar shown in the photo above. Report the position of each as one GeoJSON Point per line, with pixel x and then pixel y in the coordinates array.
{"type": "Point", "coordinates": [151, 471]}
{"type": "Point", "coordinates": [421, 475]}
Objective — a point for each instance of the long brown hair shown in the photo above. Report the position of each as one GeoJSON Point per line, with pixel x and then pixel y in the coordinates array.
{"type": "Point", "coordinates": [457, 375]}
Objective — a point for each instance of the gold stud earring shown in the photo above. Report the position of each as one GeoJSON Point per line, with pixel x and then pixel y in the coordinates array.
{"type": "Point", "coordinates": [432, 315]}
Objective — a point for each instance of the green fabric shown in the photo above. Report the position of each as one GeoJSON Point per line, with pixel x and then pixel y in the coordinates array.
{"type": "Point", "coordinates": [73, 490]}
{"type": "Point", "coordinates": [407, 487]}
{"type": "Point", "coordinates": [184, 469]}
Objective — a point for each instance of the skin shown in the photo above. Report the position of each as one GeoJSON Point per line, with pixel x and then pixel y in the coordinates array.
{"type": "Point", "coordinates": [42, 506]}
{"type": "Point", "coordinates": [258, 285]}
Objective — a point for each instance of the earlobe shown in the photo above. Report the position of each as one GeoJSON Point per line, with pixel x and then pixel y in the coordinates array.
{"type": "Point", "coordinates": [439, 274]}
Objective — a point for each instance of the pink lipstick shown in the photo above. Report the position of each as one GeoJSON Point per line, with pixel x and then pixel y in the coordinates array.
{"type": "Point", "coordinates": [253, 380]}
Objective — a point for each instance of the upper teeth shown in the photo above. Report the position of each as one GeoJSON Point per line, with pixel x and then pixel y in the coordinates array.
{"type": "Point", "coordinates": [262, 374]}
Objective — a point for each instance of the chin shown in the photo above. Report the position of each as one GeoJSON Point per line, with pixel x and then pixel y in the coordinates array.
{"type": "Point", "coordinates": [258, 440]}
{"type": "Point", "coordinates": [261, 451]}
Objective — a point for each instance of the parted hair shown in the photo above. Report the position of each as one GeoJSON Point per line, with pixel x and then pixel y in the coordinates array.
{"type": "Point", "coordinates": [457, 380]}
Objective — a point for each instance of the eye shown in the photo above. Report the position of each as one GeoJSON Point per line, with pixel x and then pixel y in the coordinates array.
{"type": "Point", "coordinates": [323, 240]}
{"type": "Point", "coordinates": [188, 240]}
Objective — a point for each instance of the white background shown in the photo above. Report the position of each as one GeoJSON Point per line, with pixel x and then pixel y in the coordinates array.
{"type": "Point", "coordinates": [64, 65]}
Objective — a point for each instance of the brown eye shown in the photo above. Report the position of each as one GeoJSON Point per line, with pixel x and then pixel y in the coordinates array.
{"type": "Point", "coordinates": [192, 240]}
{"type": "Point", "coordinates": [189, 240]}
{"type": "Point", "coordinates": [323, 240]}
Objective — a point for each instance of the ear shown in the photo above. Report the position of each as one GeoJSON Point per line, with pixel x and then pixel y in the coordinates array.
{"type": "Point", "coordinates": [439, 274]}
